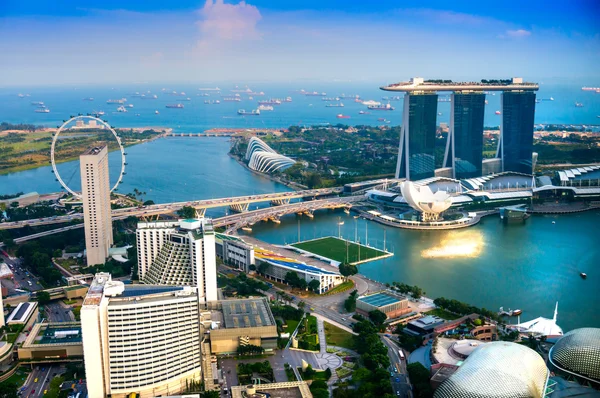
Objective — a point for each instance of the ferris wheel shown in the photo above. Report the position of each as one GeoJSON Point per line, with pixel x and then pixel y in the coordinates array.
{"type": "Point", "coordinates": [100, 124]}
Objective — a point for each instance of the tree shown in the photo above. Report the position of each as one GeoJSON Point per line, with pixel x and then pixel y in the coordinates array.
{"type": "Point", "coordinates": [350, 303]}
{"type": "Point", "coordinates": [302, 305]}
{"type": "Point", "coordinates": [187, 212]}
{"type": "Point", "coordinates": [43, 297]}
{"type": "Point", "coordinates": [348, 269]}
{"type": "Point", "coordinates": [8, 390]}
{"type": "Point", "coordinates": [292, 279]}
{"type": "Point", "coordinates": [313, 180]}
{"type": "Point", "coordinates": [377, 317]}
{"type": "Point", "coordinates": [313, 285]}
{"type": "Point", "coordinates": [262, 268]}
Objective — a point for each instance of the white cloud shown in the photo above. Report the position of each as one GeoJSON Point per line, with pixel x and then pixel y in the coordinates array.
{"type": "Point", "coordinates": [226, 22]}
{"type": "Point", "coordinates": [518, 33]}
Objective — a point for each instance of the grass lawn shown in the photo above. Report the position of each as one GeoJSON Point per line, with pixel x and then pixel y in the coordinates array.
{"type": "Point", "coordinates": [338, 337]}
{"type": "Point", "coordinates": [341, 288]}
{"type": "Point", "coordinates": [335, 249]}
{"type": "Point", "coordinates": [18, 378]}
{"type": "Point", "coordinates": [312, 322]}
{"type": "Point", "coordinates": [291, 325]}
{"type": "Point", "coordinates": [443, 314]}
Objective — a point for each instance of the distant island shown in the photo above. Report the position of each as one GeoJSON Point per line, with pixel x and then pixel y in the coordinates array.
{"type": "Point", "coordinates": [25, 146]}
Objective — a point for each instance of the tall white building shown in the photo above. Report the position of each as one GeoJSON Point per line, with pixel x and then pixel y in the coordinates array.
{"type": "Point", "coordinates": [140, 339]}
{"type": "Point", "coordinates": [178, 253]}
{"type": "Point", "coordinates": [95, 192]}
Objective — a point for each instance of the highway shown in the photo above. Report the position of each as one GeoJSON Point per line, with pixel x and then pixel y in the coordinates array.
{"type": "Point", "coordinates": [39, 380]}
{"type": "Point", "coordinates": [163, 208]}
{"type": "Point", "coordinates": [21, 277]}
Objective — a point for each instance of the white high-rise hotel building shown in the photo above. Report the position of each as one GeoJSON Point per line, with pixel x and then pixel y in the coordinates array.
{"type": "Point", "coordinates": [95, 192]}
{"type": "Point", "coordinates": [140, 339]}
{"type": "Point", "coordinates": [180, 253]}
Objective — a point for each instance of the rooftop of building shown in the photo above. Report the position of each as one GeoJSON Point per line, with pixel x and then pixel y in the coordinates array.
{"type": "Point", "coordinates": [418, 84]}
{"type": "Point", "coordinates": [246, 313]}
{"type": "Point", "coordinates": [94, 150]}
{"type": "Point", "coordinates": [427, 321]}
{"type": "Point", "coordinates": [22, 312]}
{"type": "Point", "coordinates": [380, 299]}
{"type": "Point", "coordinates": [54, 334]}
{"type": "Point", "coordinates": [291, 389]}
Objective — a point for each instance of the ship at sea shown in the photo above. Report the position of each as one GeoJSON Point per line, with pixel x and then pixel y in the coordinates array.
{"type": "Point", "coordinates": [265, 108]}
{"type": "Point", "coordinates": [371, 103]}
{"type": "Point", "coordinates": [98, 113]}
{"type": "Point", "coordinates": [386, 107]}
{"type": "Point", "coordinates": [116, 101]}
{"type": "Point", "coordinates": [254, 112]}
{"type": "Point", "coordinates": [121, 109]}
{"type": "Point", "coordinates": [315, 94]}
{"type": "Point", "coordinates": [144, 96]}
{"type": "Point", "coordinates": [578, 104]}
{"type": "Point", "coordinates": [37, 103]}
{"type": "Point", "coordinates": [88, 99]}
{"type": "Point", "coordinates": [336, 105]}
{"type": "Point", "coordinates": [591, 89]}
{"type": "Point", "coordinates": [340, 116]}
{"type": "Point", "coordinates": [209, 89]}
{"type": "Point", "coordinates": [270, 102]}
{"type": "Point", "coordinates": [42, 110]}
{"type": "Point", "coordinates": [209, 102]}
{"type": "Point", "coordinates": [232, 99]}
{"type": "Point", "coordinates": [175, 106]}
{"type": "Point", "coordinates": [330, 99]}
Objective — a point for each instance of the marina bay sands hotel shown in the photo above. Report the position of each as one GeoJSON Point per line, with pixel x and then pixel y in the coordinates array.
{"type": "Point", "coordinates": [463, 156]}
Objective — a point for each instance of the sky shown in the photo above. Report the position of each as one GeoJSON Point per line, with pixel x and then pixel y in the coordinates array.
{"type": "Point", "coordinates": [114, 41]}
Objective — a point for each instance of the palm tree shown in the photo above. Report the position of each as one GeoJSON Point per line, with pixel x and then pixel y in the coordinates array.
{"type": "Point", "coordinates": [302, 305]}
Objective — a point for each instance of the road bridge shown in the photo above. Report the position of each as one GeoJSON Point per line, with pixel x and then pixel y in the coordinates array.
{"type": "Point", "coordinates": [237, 202]}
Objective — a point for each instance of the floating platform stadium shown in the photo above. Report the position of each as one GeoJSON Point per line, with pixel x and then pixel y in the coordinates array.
{"type": "Point", "coordinates": [337, 250]}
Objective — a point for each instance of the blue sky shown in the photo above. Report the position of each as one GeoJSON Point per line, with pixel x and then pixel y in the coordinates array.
{"type": "Point", "coordinates": [110, 41]}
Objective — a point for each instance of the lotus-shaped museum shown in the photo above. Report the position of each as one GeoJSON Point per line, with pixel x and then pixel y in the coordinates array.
{"type": "Point", "coordinates": [422, 199]}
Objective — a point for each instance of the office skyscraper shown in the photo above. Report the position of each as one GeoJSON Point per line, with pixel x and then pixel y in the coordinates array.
{"type": "Point", "coordinates": [416, 154]}
{"type": "Point", "coordinates": [178, 253]}
{"type": "Point", "coordinates": [464, 149]}
{"type": "Point", "coordinates": [95, 192]}
{"type": "Point", "coordinates": [516, 129]}
{"type": "Point", "coordinates": [140, 339]}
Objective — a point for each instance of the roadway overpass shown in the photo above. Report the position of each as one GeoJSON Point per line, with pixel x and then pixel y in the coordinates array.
{"type": "Point", "coordinates": [237, 203]}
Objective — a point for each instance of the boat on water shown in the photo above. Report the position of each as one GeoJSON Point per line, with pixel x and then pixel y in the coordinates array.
{"type": "Point", "coordinates": [371, 103]}
{"type": "Point", "coordinates": [156, 112]}
{"type": "Point", "coordinates": [121, 109]}
{"type": "Point", "coordinates": [130, 105]}
{"type": "Point", "coordinates": [176, 106]}
{"type": "Point", "coordinates": [386, 107]}
{"type": "Point", "coordinates": [254, 112]}
{"type": "Point", "coordinates": [578, 104]}
{"type": "Point", "coordinates": [337, 105]}
{"type": "Point", "coordinates": [363, 113]}
{"type": "Point", "coordinates": [98, 113]}
{"type": "Point", "coordinates": [209, 89]}
{"type": "Point", "coordinates": [347, 211]}
{"type": "Point", "coordinates": [88, 99]}
{"type": "Point", "coordinates": [381, 119]}
{"type": "Point", "coordinates": [395, 98]}
{"type": "Point", "coordinates": [37, 103]}
{"type": "Point", "coordinates": [42, 110]}
{"type": "Point", "coordinates": [287, 99]}
{"type": "Point", "coordinates": [232, 99]}
{"type": "Point", "coordinates": [358, 101]}
{"type": "Point", "coordinates": [315, 94]}
{"type": "Point", "coordinates": [269, 102]}
{"type": "Point", "coordinates": [497, 112]}
{"type": "Point", "coordinates": [247, 229]}
{"type": "Point", "coordinates": [590, 88]}
{"type": "Point", "coordinates": [116, 101]}
{"type": "Point", "coordinates": [330, 99]}
{"type": "Point", "coordinates": [265, 108]}
{"type": "Point", "coordinates": [186, 99]}
{"type": "Point", "coordinates": [340, 116]}
{"type": "Point", "coordinates": [583, 275]}
{"type": "Point", "coordinates": [510, 312]}
{"type": "Point", "coordinates": [144, 96]}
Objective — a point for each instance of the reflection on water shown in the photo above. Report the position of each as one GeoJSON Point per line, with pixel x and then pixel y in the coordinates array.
{"type": "Point", "coordinates": [465, 243]}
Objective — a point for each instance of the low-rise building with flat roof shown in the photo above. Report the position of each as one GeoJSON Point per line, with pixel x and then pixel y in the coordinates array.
{"type": "Point", "coordinates": [392, 305]}
{"type": "Point", "coordinates": [241, 322]}
{"type": "Point", "coordinates": [25, 314]}
{"type": "Point", "coordinates": [53, 341]}
{"type": "Point", "coordinates": [290, 389]}
{"type": "Point", "coordinates": [423, 326]}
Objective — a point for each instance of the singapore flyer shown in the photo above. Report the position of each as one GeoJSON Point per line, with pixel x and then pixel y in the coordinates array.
{"type": "Point", "coordinates": [92, 122]}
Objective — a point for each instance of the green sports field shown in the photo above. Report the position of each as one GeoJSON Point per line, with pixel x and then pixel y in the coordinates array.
{"type": "Point", "coordinates": [335, 249]}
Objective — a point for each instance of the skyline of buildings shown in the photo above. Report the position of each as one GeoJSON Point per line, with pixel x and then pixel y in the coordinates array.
{"type": "Point", "coordinates": [95, 194]}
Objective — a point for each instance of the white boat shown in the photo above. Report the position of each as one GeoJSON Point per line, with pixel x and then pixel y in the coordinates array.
{"type": "Point", "coordinates": [265, 108]}
{"type": "Point", "coordinates": [121, 109]}
{"type": "Point", "coordinates": [247, 229]}
{"type": "Point", "coordinates": [42, 110]}
{"type": "Point", "coordinates": [130, 106]}
{"type": "Point", "coordinates": [156, 112]}
{"type": "Point", "coordinates": [371, 103]}
{"type": "Point", "coordinates": [254, 112]}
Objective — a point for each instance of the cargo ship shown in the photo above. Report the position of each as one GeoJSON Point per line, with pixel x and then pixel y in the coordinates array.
{"type": "Point", "coordinates": [232, 99]}
{"type": "Point", "coordinates": [265, 108]}
{"type": "Point", "coordinates": [338, 105]}
{"type": "Point", "coordinates": [386, 107]}
{"type": "Point", "coordinates": [371, 103]}
{"type": "Point", "coordinates": [176, 106]}
{"type": "Point", "coordinates": [591, 89]}
{"type": "Point", "coordinates": [340, 116]}
{"type": "Point", "coordinates": [88, 99]}
{"type": "Point", "coordinates": [209, 102]}
{"type": "Point", "coordinates": [255, 112]}
{"type": "Point", "coordinates": [270, 102]}
{"type": "Point", "coordinates": [144, 96]}
{"type": "Point", "coordinates": [98, 113]}
{"type": "Point", "coordinates": [209, 89]}
{"type": "Point", "coordinates": [38, 103]}
{"type": "Point", "coordinates": [42, 110]}
{"type": "Point", "coordinates": [330, 99]}
{"type": "Point", "coordinates": [121, 109]}
{"type": "Point", "coordinates": [116, 101]}
{"type": "Point", "coordinates": [578, 104]}
{"type": "Point", "coordinates": [315, 94]}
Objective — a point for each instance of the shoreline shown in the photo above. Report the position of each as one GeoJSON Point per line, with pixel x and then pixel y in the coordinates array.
{"type": "Point", "coordinates": [294, 186]}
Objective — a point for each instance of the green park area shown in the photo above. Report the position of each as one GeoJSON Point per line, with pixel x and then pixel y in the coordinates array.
{"type": "Point", "coordinates": [340, 250]}
{"type": "Point", "coordinates": [439, 312]}
{"type": "Point", "coordinates": [338, 337]}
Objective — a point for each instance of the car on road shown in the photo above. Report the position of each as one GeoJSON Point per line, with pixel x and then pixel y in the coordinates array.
{"type": "Point", "coordinates": [36, 379]}
{"type": "Point", "coordinates": [397, 379]}
{"type": "Point", "coordinates": [45, 392]}
{"type": "Point", "coordinates": [33, 391]}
